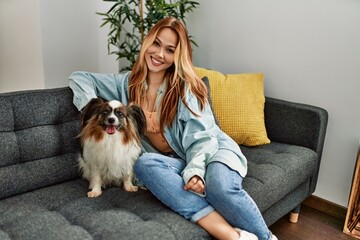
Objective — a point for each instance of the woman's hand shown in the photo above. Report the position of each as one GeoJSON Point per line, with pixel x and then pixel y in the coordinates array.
{"type": "Point", "coordinates": [195, 184]}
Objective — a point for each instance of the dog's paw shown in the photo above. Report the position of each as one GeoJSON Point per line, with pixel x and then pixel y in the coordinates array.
{"type": "Point", "coordinates": [131, 188]}
{"type": "Point", "coordinates": [93, 194]}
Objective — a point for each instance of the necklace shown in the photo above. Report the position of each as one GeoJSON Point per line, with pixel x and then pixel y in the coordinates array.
{"type": "Point", "coordinates": [151, 105]}
{"type": "Point", "coordinates": [150, 110]}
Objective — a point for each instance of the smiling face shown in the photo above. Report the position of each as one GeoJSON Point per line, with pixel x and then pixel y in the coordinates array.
{"type": "Point", "coordinates": [160, 55]}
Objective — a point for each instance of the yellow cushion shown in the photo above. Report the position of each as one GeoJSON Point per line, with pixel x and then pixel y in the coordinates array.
{"type": "Point", "coordinates": [238, 101]}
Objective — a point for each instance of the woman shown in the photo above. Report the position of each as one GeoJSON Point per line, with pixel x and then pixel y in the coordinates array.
{"type": "Point", "coordinates": [188, 162]}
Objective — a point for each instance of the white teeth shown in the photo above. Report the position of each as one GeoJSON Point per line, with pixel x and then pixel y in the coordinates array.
{"type": "Point", "coordinates": [155, 61]}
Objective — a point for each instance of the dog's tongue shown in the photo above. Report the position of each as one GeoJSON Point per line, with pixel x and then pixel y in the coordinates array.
{"type": "Point", "coordinates": [110, 129]}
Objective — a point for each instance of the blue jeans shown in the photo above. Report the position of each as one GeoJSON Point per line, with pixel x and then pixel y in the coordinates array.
{"type": "Point", "coordinates": [162, 176]}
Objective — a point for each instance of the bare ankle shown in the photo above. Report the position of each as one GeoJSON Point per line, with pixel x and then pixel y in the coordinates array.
{"type": "Point", "coordinates": [235, 234]}
{"type": "Point", "coordinates": [217, 226]}
{"type": "Point", "coordinates": [245, 235]}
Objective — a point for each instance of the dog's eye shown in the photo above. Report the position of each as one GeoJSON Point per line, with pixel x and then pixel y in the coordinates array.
{"type": "Point", "coordinates": [119, 114]}
{"type": "Point", "coordinates": [105, 112]}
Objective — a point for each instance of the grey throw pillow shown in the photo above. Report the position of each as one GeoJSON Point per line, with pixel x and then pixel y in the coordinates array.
{"type": "Point", "coordinates": [206, 81]}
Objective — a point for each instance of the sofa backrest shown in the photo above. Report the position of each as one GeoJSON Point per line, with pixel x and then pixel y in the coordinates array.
{"type": "Point", "coordinates": [38, 144]}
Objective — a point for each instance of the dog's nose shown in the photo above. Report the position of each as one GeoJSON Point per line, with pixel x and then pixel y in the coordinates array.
{"type": "Point", "coordinates": [111, 120]}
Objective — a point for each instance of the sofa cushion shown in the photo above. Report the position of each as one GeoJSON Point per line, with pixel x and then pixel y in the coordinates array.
{"type": "Point", "coordinates": [38, 142]}
{"type": "Point", "coordinates": [64, 211]}
{"type": "Point", "coordinates": [276, 169]}
{"type": "Point", "coordinates": [238, 101]}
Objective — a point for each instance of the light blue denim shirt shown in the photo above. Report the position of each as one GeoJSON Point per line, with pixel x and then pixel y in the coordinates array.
{"type": "Point", "coordinates": [194, 139]}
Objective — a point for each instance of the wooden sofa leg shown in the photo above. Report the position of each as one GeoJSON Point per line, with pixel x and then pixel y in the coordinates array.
{"type": "Point", "coordinates": [294, 215]}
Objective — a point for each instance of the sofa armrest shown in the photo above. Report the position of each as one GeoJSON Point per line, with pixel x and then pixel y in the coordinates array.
{"type": "Point", "coordinates": [297, 124]}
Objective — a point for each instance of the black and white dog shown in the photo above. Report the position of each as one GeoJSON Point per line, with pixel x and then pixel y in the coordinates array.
{"type": "Point", "coordinates": [111, 143]}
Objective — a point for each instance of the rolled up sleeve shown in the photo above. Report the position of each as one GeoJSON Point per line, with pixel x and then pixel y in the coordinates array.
{"type": "Point", "coordinates": [199, 141]}
{"type": "Point", "coordinates": [86, 86]}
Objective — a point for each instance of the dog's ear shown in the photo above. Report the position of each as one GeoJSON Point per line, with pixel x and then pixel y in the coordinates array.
{"type": "Point", "coordinates": [90, 109]}
{"type": "Point", "coordinates": [137, 117]}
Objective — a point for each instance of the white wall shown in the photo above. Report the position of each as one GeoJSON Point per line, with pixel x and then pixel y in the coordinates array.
{"type": "Point", "coordinates": [70, 38]}
{"type": "Point", "coordinates": [106, 63]}
{"type": "Point", "coordinates": [20, 46]}
{"type": "Point", "coordinates": [308, 50]}
{"type": "Point", "coordinates": [43, 41]}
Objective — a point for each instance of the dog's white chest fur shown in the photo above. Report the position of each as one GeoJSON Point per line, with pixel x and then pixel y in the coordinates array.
{"type": "Point", "coordinates": [109, 158]}
{"type": "Point", "coordinates": [110, 138]}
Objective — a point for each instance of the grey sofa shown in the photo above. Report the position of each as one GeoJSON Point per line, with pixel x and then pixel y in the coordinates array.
{"type": "Point", "coordinates": [43, 197]}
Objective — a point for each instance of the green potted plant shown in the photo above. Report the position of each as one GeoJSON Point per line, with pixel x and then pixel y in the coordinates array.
{"type": "Point", "coordinates": [130, 20]}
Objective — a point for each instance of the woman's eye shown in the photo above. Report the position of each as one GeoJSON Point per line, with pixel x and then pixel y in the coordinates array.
{"type": "Point", "coordinates": [170, 50]}
{"type": "Point", "coordinates": [156, 44]}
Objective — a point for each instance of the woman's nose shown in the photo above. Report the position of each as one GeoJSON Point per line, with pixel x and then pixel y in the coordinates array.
{"type": "Point", "coordinates": [161, 53]}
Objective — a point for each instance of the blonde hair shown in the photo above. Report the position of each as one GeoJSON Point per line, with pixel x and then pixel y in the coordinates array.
{"type": "Point", "coordinates": [180, 75]}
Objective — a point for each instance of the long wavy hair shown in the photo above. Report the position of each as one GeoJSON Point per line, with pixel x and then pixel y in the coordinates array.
{"type": "Point", "coordinates": [180, 76]}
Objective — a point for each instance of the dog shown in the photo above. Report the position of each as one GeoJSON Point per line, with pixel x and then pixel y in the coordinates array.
{"type": "Point", "coordinates": [111, 143]}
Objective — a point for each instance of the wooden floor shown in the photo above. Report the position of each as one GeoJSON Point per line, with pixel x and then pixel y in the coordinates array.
{"type": "Point", "coordinates": [312, 225]}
